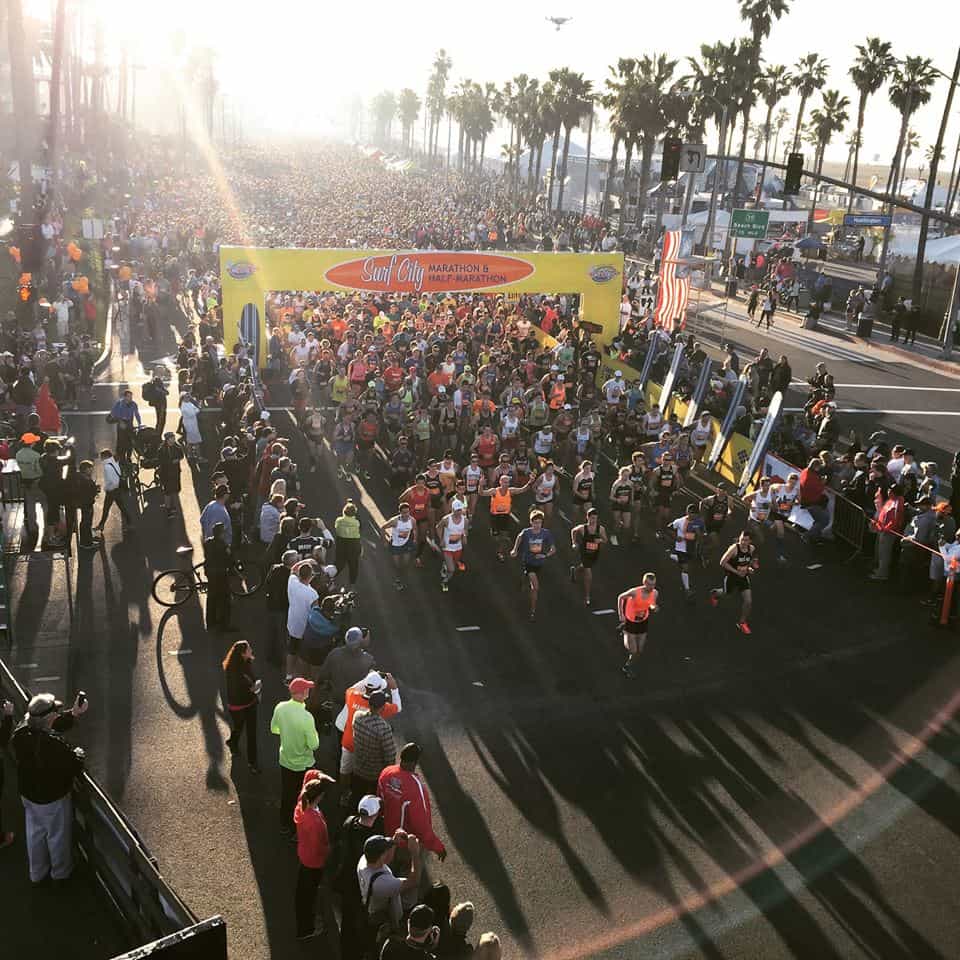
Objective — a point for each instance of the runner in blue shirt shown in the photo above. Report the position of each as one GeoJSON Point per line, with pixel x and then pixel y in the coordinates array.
{"type": "Point", "coordinates": [533, 545]}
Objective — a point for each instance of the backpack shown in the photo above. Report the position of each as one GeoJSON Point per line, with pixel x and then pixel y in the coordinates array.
{"type": "Point", "coordinates": [149, 391]}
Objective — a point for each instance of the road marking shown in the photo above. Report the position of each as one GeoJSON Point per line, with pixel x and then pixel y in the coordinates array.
{"type": "Point", "coordinates": [478, 683]}
{"type": "Point", "coordinates": [814, 566]}
{"type": "Point", "coordinates": [27, 666]}
{"type": "Point", "coordinates": [45, 679]}
{"type": "Point", "coordinates": [178, 653]}
{"type": "Point", "coordinates": [467, 629]}
{"type": "Point", "coordinates": [603, 613]}
{"type": "Point", "coordinates": [918, 413]}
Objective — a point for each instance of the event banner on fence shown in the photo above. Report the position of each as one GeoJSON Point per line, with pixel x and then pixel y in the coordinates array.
{"type": "Point", "coordinates": [249, 274]}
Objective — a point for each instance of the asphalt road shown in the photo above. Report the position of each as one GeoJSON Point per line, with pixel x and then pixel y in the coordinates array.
{"type": "Point", "coordinates": [788, 794]}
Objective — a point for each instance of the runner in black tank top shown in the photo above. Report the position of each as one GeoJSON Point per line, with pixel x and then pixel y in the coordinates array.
{"type": "Point", "coordinates": [738, 563]}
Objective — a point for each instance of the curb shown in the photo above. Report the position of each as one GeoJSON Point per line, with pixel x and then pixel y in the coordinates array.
{"type": "Point", "coordinates": [943, 366]}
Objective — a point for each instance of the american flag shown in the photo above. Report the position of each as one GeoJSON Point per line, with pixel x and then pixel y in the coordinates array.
{"type": "Point", "coordinates": [674, 286]}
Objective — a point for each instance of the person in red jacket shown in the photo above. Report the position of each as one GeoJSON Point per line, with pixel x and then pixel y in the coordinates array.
{"type": "Point", "coordinates": [888, 525]}
{"type": "Point", "coordinates": [313, 849]}
{"type": "Point", "coordinates": [406, 802]}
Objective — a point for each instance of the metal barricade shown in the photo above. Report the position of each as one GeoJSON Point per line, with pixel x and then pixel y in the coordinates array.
{"type": "Point", "coordinates": [850, 524]}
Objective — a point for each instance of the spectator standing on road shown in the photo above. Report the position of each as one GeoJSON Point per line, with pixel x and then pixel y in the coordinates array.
{"type": "Point", "coordinates": [82, 496]}
{"type": "Point", "coordinates": [46, 768]}
{"type": "Point", "coordinates": [216, 564]}
{"type": "Point", "coordinates": [488, 947]}
{"type": "Point", "coordinates": [155, 392]}
{"type": "Point", "coordinates": [384, 894]}
{"type": "Point", "coordinates": [373, 745]}
{"type": "Point", "coordinates": [270, 516]}
{"type": "Point", "coordinates": [423, 936]}
{"type": "Point", "coordinates": [28, 460]}
{"type": "Point", "coordinates": [216, 512]}
{"type": "Point", "coordinates": [347, 665]}
{"type": "Point", "coordinates": [313, 851]}
{"type": "Point", "coordinates": [190, 424]}
{"type": "Point", "coordinates": [300, 598]}
{"type": "Point", "coordinates": [349, 546]}
{"type": "Point", "coordinates": [243, 697]}
{"type": "Point", "coordinates": [406, 802]}
{"type": "Point", "coordinates": [114, 491]}
{"type": "Point", "coordinates": [275, 589]}
{"type": "Point", "coordinates": [888, 526]}
{"type": "Point", "coordinates": [298, 740]}
{"type": "Point", "coordinates": [124, 413]}
{"type": "Point", "coordinates": [169, 457]}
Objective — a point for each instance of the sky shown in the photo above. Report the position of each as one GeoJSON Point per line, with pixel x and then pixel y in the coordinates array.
{"type": "Point", "coordinates": [290, 66]}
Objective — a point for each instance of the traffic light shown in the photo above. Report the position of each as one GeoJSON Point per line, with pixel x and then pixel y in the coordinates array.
{"type": "Point", "coordinates": [670, 167]}
{"type": "Point", "coordinates": [791, 186]}
{"type": "Point", "coordinates": [25, 288]}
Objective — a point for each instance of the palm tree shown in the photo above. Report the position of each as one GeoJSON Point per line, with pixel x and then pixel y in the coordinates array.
{"type": "Point", "coordinates": [779, 122]}
{"type": "Point", "coordinates": [910, 145]}
{"type": "Point", "coordinates": [493, 107]}
{"type": "Point", "coordinates": [759, 14]}
{"type": "Point", "coordinates": [520, 105]}
{"type": "Point", "coordinates": [829, 118]}
{"type": "Point", "coordinates": [436, 96]}
{"type": "Point", "coordinates": [775, 84]}
{"type": "Point", "coordinates": [910, 88]}
{"type": "Point", "coordinates": [559, 80]}
{"type": "Point", "coordinates": [810, 75]}
{"type": "Point", "coordinates": [384, 108]}
{"type": "Point", "coordinates": [23, 90]}
{"type": "Point", "coordinates": [869, 73]}
{"type": "Point", "coordinates": [408, 109]}
{"type": "Point", "coordinates": [620, 88]}
{"type": "Point", "coordinates": [546, 123]}
{"type": "Point", "coordinates": [574, 99]}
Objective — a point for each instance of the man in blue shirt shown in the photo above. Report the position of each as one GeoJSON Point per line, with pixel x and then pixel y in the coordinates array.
{"type": "Point", "coordinates": [124, 412]}
{"type": "Point", "coordinates": [216, 512]}
{"type": "Point", "coordinates": [533, 545]}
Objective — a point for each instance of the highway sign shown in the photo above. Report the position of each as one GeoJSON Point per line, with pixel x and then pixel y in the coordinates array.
{"type": "Point", "coordinates": [751, 224]}
{"type": "Point", "coordinates": [866, 219]}
{"type": "Point", "coordinates": [693, 158]}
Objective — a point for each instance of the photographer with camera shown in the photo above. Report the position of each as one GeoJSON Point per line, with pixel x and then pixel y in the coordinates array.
{"type": "Point", "coordinates": [46, 767]}
{"type": "Point", "coordinates": [346, 665]}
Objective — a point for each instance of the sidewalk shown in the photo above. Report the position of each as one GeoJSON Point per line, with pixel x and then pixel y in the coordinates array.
{"type": "Point", "coordinates": [831, 332]}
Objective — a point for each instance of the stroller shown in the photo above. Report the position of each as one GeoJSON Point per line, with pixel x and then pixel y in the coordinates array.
{"type": "Point", "coordinates": [146, 448]}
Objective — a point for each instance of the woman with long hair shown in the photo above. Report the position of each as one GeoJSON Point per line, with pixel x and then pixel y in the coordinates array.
{"type": "Point", "coordinates": [243, 696]}
{"type": "Point", "coordinates": [313, 850]}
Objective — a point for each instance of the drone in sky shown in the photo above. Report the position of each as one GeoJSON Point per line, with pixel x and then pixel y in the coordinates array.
{"type": "Point", "coordinates": [558, 22]}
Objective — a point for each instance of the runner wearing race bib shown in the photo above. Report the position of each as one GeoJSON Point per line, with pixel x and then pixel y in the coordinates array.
{"type": "Point", "coordinates": [533, 546]}
{"type": "Point", "coordinates": [586, 540]}
{"type": "Point", "coordinates": [452, 535]}
{"type": "Point", "coordinates": [785, 496]}
{"type": "Point", "coordinates": [621, 497]}
{"type": "Point", "coordinates": [687, 531]}
{"type": "Point", "coordinates": [401, 533]}
{"type": "Point", "coordinates": [545, 490]}
{"type": "Point", "coordinates": [634, 607]}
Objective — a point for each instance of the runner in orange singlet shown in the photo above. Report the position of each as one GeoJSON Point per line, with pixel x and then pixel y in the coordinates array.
{"type": "Point", "coordinates": [635, 606]}
{"type": "Point", "coordinates": [501, 504]}
{"type": "Point", "coordinates": [418, 496]}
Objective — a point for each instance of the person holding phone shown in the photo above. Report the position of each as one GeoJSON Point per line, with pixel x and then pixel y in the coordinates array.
{"type": "Point", "coordinates": [46, 768]}
{"type": "Point", "coordinates": [243, 697]}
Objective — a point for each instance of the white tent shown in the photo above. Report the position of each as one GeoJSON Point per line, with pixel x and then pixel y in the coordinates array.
{"type": "Point", "coordinates": [943, 250]}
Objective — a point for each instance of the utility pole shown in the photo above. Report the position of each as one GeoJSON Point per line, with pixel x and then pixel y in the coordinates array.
{"type": "Point", "coordinates": [586, 172]}
{"type": "Point", "coordinates": [931, 185]}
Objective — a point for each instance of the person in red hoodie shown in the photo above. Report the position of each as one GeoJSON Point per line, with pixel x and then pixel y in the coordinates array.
{"type": "Point", "coordinates": [888, 525]}
{"type": "Point", "coordinates": [406, 802]}
{"type": "Point", "coordinates": [313, 849]}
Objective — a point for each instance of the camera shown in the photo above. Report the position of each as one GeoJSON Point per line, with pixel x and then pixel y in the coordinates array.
{"type": "Point", "coordinates": [344, 601]}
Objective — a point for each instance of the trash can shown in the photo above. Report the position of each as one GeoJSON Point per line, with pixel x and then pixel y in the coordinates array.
{"type": "Point", "coordinates": [810, 319]}
{"type": "Point", "coordinates": [865, 324]}
{"type": "Point", "coordinates": [732, 288]}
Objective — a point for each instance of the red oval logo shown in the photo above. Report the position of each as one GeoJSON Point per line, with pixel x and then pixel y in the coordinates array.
{"type": "Point", "coordinates": [429, 272]}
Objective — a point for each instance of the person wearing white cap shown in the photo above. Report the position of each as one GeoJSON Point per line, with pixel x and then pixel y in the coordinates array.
{"type": "Point", "coordinates": [46, 768]}
{"type": "Point", "coordinates": [452, 535]}
{"type": "Point", "coordinates": [614, 389]}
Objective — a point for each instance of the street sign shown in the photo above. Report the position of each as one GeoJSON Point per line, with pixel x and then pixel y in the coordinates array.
{"type": "Point", "coordinates": [866, 219]}
{"type": "Point", "coordinates": [751, 224]}
{"type": "Point", "coordinates": [693, 158]}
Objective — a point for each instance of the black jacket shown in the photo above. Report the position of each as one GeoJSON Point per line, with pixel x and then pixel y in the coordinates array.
{"type": "Point", "coordinates": [216, 555]}
{"type": "Point", "coordinates": [83, 491]}
{"type": "Point", "coordinates": [276, 587]}
{"type": "Point", "coordinates": [240, 680]}
{"type": "Point", "coordinates": [46, 763]}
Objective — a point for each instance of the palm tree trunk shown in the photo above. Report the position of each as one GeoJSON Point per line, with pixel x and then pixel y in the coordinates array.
{"type": "Point", "coordinates": [796, 133]}
{"type": "Point", "coordinates": [646, 161]}
{"type": "Point", "coordinates": [611, 172]}
{"type": "Point", "coordinates": [563, 167]}
{"type": "Point", "coordinates": [766, 155]}
{"type": "Point", "coordinates": [24, 105]}
{"type": "Point", "coordinates": [954, 179]}
{"type": "Point", "coordinates": [516, 159]}
{"type": "Point", "coordinates": [821, 148]}
{"type": "Point", "coordinates": [741, 157]}
{"type": "Point", "coordinates": [861, 113]}
{"type": "Point", "coordinates": [536, 175]}
{"type": "Point", "coordinates": [483, 150]}
{"type": "Point", "coordinates": [624, 192]}
{"type": "Point", "coordinates": [891, 180]}
{"type": "Point", "coordinates": [530, 166]}
{"type": "Point", "coordinates": [553, 165]}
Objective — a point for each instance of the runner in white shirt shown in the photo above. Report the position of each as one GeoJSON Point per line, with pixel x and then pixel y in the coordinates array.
{"type": "Point", "coordinates": [472, 475]}
{"type": "Point", "coordinates": [452, 535]}
{"type": "Point", "coordinates": [545, 490]}
{"type": "Point", "coordinates": [401, 533]}
{"type": "Point", "coordinates": [614, 389]}
{"type": "Point", "coordinates": [784, 497]}
{"type": "Point", "coordinates": [760, 504]}
{"type": "Point", "coordinates": [687, 531]}
{"type": "Point", "coordinates": [652, 422]}
{"type": "Point", "coordinates": [700, 436]}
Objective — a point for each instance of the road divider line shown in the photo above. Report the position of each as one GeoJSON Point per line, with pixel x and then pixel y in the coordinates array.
{"type": "Point", "coordinates": [45, 679]}
{"type": "Point", "coordinates": [469, 629]}
{"type": "Point", "coordinates": [604, 613]}
{"type": "Point", "coordinates": [179, 653]}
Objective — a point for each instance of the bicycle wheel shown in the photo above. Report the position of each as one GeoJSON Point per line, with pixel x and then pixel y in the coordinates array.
{"type": "Point", "coordinates": [173, 587]}
{"type": "Point", "coordinates": [245, 579]}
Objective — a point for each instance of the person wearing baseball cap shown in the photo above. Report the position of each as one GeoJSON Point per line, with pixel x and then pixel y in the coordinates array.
{"type": "Point", "coordinates": [28, 460]}
{"type": "Point", "coordinates": [452, 536]}
{"type": "Point", "coordinates": [423, 937]}
{"type": "Point", "coordinates": [347, 665]}
{"type": "Point", "coordinates": [384, 893]}
{"type": "Point", "coordinates": [46, 768]}
{"type": "Point", "coordinates": [298, 740]}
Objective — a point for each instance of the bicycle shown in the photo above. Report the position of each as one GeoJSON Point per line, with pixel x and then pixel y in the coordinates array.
{"type": "Point", "coordinates": [171, 588]}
